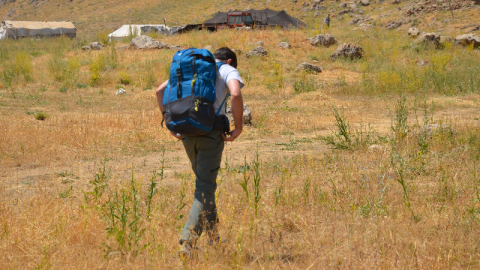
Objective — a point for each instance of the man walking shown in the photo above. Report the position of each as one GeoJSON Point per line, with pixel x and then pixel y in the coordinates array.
{"type": "Point", "coordinates": [327, 20]}
{"type": "Point", "coordinates": [205, 154]}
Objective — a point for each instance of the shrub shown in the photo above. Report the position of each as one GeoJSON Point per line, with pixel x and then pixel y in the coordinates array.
{"type": "Point", "coordinates": [304, 85]}
{"type": "Point", "coordinates": [40, 116]}
{"type": "Point", "coordinates": [125, 78]}
{"type": "Point", "coordinates": [96, 68]}
{"type": "Point", "coordinates": [63, 71]}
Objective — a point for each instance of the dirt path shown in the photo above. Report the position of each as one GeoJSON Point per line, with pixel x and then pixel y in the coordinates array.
{"type": "Point", "coordinates": [25, 178]}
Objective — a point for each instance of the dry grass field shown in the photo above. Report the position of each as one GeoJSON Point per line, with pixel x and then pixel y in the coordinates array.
{"type": "Point", "coordinates": [338, 170]}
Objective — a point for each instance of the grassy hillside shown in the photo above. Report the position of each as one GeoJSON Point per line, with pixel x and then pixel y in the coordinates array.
{"type": "Point", "coordinates": [92, 17]}
{"type": "Point", "coordinates": [339, 170]}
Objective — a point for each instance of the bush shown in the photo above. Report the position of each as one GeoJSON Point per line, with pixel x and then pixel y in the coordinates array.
{"type": "Point", "coordinates": [20, 66]}
{"type": "Point", "coordinates": [125, 78]}
{"type": "Point", "coordinates": [63, 71]}
{"type": "Point", "coordinates": [304, 85]}
{"type": "Point", "coordinates": [40, 116]}
{"type": "Point", "coordinates": [96, 68]}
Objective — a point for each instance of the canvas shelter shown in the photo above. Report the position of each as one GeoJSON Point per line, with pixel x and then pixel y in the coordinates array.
{"type": "Point", "coordinates": [129, 30]}
{"type": "Point", "coordinates": [23, 29]}
{"type": "Point", "coordinates": [266, 17]}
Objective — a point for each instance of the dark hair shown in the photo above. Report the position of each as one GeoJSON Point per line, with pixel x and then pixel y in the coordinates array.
{"type": "Point", "coordinates": [224, 54]}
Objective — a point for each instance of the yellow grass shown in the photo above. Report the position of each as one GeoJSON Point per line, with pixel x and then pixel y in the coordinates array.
{"type": "Point", "coordinates": [319, 207]}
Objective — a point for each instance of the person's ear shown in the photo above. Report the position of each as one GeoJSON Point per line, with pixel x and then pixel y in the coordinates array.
{"type": "Point", "coordinates": [229, 61]}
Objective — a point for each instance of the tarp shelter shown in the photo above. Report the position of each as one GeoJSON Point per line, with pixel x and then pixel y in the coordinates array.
{"type": "Point", "coordinates": [22, 29]}
{"type": "Point", "coordinates": [265, 17]}
{"type": "Point", "coordinates": [129, 30]}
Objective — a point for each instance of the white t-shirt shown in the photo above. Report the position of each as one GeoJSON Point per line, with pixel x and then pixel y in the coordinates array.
{"type": "Point", "coordinates": [226, 73]}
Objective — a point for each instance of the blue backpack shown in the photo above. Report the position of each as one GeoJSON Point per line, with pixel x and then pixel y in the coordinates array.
{"type": "Point", "coordinates": [190, 94]}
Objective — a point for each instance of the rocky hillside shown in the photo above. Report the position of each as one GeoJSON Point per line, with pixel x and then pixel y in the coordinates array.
{"type": "Point", "coordinates": [92, 17]}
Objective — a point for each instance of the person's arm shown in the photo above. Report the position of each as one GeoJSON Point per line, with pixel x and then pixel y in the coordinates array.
{"type": "Point", "coordinates": [159, 93]}
{"type": "Point", "coordinates": [236, 102]}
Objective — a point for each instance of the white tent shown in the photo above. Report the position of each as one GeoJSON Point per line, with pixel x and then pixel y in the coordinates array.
{"type": "Point", "coordinates": [23, 29]}
{"type": "Point", "coordinates": [129, 30]}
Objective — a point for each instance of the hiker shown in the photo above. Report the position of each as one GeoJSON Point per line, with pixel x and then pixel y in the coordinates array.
{"type": "Point", "coordinates": [327, 20]}
{"type": "Point", "coordinates": [205, 153]}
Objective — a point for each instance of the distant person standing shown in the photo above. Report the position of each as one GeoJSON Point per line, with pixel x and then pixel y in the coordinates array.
{"type": "Point", "coordinates": [327, 20]}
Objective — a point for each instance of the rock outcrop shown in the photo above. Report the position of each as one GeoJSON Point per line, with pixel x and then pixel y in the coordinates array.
{"type": "Point", "coordinates": [284, 45]}
{"type": "Point", "coordinates": [247, 115]}
{"type": "Point", "coordinates": [432, 38]}
{"type": "Point", "coordinates": [257, 51]}
{"type": "Point", "coordinates": [468, 39]}
{"type": "Point", "coordinates": [347, 50]}
{"type": "Point", "coordinates": [146, 42]}
{"type": "Point", "coordinates": [309, 67]}
{"type": "Point", "coordinates": [93, 46]}
{"type": "Point", "coordinates": [393, 24]}
{"type": "Point", "coordinates": [323, 40]}
{"type": "Point", "coordinates": [413, 32]}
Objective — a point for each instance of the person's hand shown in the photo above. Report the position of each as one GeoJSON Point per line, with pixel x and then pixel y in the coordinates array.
{"type": "Point", "coordinates": [176, 135]}
{"type": "Point", "coordinates": [233, 135]}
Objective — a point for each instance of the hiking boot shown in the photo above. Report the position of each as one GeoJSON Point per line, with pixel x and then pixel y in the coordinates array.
{"type": "Point", "coordinates": [186, 251]}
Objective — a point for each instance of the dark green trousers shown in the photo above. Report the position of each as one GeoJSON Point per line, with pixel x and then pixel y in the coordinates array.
{"type": "Point", "coordinates": [205, 154]}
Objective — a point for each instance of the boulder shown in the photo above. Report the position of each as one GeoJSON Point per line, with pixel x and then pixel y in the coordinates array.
{"type": "Point", "coordinates": [354, 21]}
{"type": "Point", "coordinates": [347, 50]}
{"type": "Point", "coordinates": [358, 11]}
{"type": "Point", "coordinates": [208, 47]}
{"type": "Point", "coordinates": [247, 115]}
{"type": "Point", "coordinates": [342, 5]}
{"type": "Point", "coordinates": [318, 7]}
{"type": "Point", "coordinates": [93, 46]}
{"type": "Point", "coordinates": [284, 45]}
{"type": "Point", "coordinates": [308, 67]}
{"type": "Point", "coordinates": [413, 32]}
{"type": "Point", "coordinates": [364, 26]}
{"type": "Point", "coordinates": [146, 42]}
{"type": "Point", "coordinates": [352, 5]}
{"type": "Point", "coordinates": [175, 47]}
{"type": "Point", "coordinates": [393, 24]}
{"type": "Point", "coordinates": [345, 11]}
{"type": "Point", "coordinates": [259, 43]}
{"type": "Point", "coordinates": [365, 2]}
{"type": "Point", "coordinates": [467, 39]}
{"type": "Point", "coordinates": [324, 40]}
{"type": "Point", "coordinates": [359, 20]}
{"type": "Point", "coordinates": [428, 38]}
{"type": "Point", "coordinates": [316, 14]}
{"type": "Point", "coordinates": [257, 51]}
{"type": "Point", "coordinates": [317, 2]}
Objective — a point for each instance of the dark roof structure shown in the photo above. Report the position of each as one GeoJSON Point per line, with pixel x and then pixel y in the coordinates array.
{"type": "Point", "coordinates": [266, 17]}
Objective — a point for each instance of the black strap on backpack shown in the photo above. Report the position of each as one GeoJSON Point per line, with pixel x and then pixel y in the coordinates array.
{"type": "Point", "coordinates": [179, 83]}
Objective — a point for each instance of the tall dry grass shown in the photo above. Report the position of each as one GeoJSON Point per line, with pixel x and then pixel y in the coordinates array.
{"type": "Point", "coordinates": [410, 202]}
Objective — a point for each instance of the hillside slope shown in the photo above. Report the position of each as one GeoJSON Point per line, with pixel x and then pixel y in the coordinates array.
{"type": "Point", "coordinates": [92, 17]}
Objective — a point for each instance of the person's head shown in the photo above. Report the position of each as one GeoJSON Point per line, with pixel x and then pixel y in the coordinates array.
{"type": "Point", "coordinates": [226, 55]}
